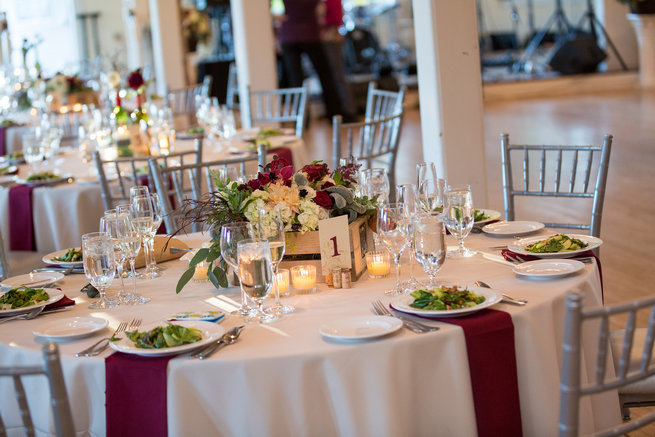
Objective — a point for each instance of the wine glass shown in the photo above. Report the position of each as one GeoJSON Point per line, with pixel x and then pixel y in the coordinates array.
{"type": "Point", "coordinates": [108, 225]}
{"type": "Point", "coordinates": [142, 215]}
{"type": "Point", "coordinates": [375, 182]}
{"type": "Point", "coordinates": [431, 195]}
{"type": "Point", "coordinates": [231, 234]}
{"type": "Point", "coordinates": [153, 270]}
{"type": "Point", "coordinates": [99, 266]}
{"type": "Point", "coordinates": [270, 226]}
{"type": "Point", "coordinates": [392, 229]}
{"type": "Point", "coordinates": [429, 244]}
{"type": "Point", "coordinates": [406, 195]}
{"type": "Point", "coordinates": [227, 174]}
{"type": "Point", "coordinates": [32, 151]}
{"type": "Point", "coordinates": [256, 276]}
{"type": "Point", "coordinates": [425, 171]}
{"type": "Point", "coordinates": [139, 190]}
{"type": "Point", "coordinates": [459, 217]}
{"type": "Point", "coordinates": [130, 240]}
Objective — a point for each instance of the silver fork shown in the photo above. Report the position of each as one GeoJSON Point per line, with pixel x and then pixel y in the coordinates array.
{"type": "Point", "coordinates": [419, 328]}
{"type": "Point", "coordinates": [101, 345]}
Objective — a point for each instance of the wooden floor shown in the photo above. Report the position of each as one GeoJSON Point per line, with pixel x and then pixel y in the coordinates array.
{"type": "Point", "coordinates": [629, 210]}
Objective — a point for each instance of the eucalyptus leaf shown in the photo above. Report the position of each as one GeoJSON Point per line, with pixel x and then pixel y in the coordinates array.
{"type": "Point", "coordinates": [186, 277]}
{"type": "Point", "coordinates": [200, 255]}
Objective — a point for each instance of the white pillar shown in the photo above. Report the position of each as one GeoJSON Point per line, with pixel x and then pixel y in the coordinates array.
{"type": "Point", "coordinates": [254, 49]}
{"type": "Point", "coordinates": [450, 91]}
{"type": "Point", "coordinates": [644, 25]}
{"type": "Point", "coordinates": [136, 17]}
{"type": "Point", "coordinates": [167, 45]}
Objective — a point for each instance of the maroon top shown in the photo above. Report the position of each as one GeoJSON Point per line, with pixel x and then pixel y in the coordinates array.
{"type": "Point", "coordinates": [333, 13]}
{"type": "Point", "coordinates": [301, 24]}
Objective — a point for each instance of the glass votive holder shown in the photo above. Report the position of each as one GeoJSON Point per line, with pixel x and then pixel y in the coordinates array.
{"type": "Point", "coordinates": [283, 282]}
{"type": "Point", "coordinates": [200, 275]}
{"type": "Point", "coordinates": [378, 263]}
{"type": "Point", "coordinates": [303, 278]}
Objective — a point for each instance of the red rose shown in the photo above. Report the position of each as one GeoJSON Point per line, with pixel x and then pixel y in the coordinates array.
{"type": "Point", "coordinates": [263, 178]}
{"type": "Point", "coordinates": [326, 185]}
{"type": "Point", "coordinates": [278, 163]}
{"type": "Point", "coordinates": [135, 79]}
{"type": "Point", "coordinates": [323, 199]}
{"type": "Point", "coordinates": [254, 184]}
{"type": "Point", "coordinates": [285, 173]}
{"type": "Point", "coordinates": [315, 172]}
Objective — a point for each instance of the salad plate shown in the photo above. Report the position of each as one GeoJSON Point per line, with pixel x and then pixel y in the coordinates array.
{"type": "Point", "coordinates": [50, 259]}
{"type": "Point", "coordinates": [548, 268]}
{"type": "Point", "coordinates": [512, 228]}
{"type": "Point", "coordinates": [32, 280]}
{"type": "Point", "coordinates": [7, 179]}
{"type": "Point", "coordinates": [70, 328]}
{"type": "Point", "coordinates": [211, 332]}
{"type": "Point", "coordinates": [54, 294]}
{"type": "Point", "coordinates": [519, 246]}
{"type": "Point", "coordinates": [43, 182]}
{"type": "Point", "coordinates": [360, 328]}
{"type": "Point", "coordinates": [489, 214]}
{"type": "Point", "coordinates": [491, 297]}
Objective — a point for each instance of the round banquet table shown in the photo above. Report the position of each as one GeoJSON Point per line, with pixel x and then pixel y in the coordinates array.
{"type": "Point", "coordinates": [64, 212]}
{"type": "Point", "coordinates": [285, 379]}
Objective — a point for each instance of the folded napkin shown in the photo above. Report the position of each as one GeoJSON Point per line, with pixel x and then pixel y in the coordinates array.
{"type": "Point", "coordinates": [21, 222]}
{"type": "Point", "coordinates": [489, 338]}
{"type": "Point", "coordinates": [508, 255]}
{"type": "Point", "coordinates": [282, 152]}
{"type": "Point", "coordinates": [61, 303]}
{"type": "Point", "coordinates": [135, 395]}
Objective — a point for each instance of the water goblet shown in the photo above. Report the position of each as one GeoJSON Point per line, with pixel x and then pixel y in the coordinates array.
{"type": "Point", "coordinates": [99, 266]}
{"type": "Point", "coordinates": [227, 174]}
{"type": "Point", "coordinates": [139, 190]}
{"type": "Point", "coordinates": [429, 244]}
{"type": "Point", "coordinates": [406, 195]}
{"type": "Point", "coordinates": [431, 194]}
{"type": "Point", "coordinates": [130, 241]}
{"type": "Point", "coordinates": [459, 217]}
{"type": "Point", "coordinates": [392, 225]}
{"type": "Point", "coordinates": [142, 215]}
{"type": "Point", "coordinates": [32, 151]}
{"type": "Point", "coordinates": [256, 276]}
{"type": "Point", "coordinates": [375, 182]}
{"type": "Point", "coordinates": [108, 225]}
{"type": "Point", "coordinates": [231, 234]}
{"type": "Point", "coordinates": [425, 171]}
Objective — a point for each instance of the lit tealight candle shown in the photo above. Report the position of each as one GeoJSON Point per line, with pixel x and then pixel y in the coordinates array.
{"type": "Point", "coordinates": [201, 272]}
{"type": "Point", "coordinates": [164, 144]}
{"type": "Point", "coordinates": [283, 281]}
{"type": "Point", "coordinates": [378, 263]}
{"type": "Point", "coordinates": [303, 278]}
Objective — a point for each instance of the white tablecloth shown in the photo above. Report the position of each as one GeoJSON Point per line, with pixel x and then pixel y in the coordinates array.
{"type": "Point", "coordinates": [285, 379]}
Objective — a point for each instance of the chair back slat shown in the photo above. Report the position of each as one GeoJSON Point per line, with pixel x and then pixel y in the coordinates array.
{"type": "Point", "coordinates": [542, 170]}
{"type": "Point", "coordinates": [624, 361]}
{"type": "Point", "coordinates": [647, 353]}
{"type": "Point", "coordinates": [278, 106]}
{"type": "Point", "coordinates": [558, 171]}
{"type": "Point", "coordinates": [21, 399]}
{"type": "Point", "coordinates": [526, 170]}
{"type": "Point", "coordinates": [587, 173]}
{"type": "Point", "coordinates": [603, 343]}
{"type": "Point", "coordinates": [574, 169]}
{"type": "Point", "coordinates": [4, 261]}
{"type": "Point", "coordinates": [383, 103]}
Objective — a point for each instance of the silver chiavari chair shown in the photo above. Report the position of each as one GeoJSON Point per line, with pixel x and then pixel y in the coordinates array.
{"type": "Point", "coordinates": [182, 101]}
{"type": "Point", "coordinates": [382, 103]}
{"type": "Point", "coordinates": [277, 106]}
{"type": "Point", "coordinates": [632, 350]}
{"type": "Point", "coordinates": [4, 262]}
{"type": "Point", "coordinates": [63, 418]}
{"type": "Point", "coordinates": [587, 168]}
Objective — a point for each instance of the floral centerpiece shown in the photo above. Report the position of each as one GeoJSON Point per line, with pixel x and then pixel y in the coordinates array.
{"type": "Point", "coordinates": [69, 90]}
{"type": "Point", "coordinates": [303, 198]}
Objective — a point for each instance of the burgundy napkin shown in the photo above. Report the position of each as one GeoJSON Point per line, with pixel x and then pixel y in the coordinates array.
{"type": "Point", "coordinates": [508, 255]}
{"type": "Point", "coordinates": [3, 140]}
{"type": "Point", "coordinates": [135, 395]}
{"type": "Point", "coordinates": [492, 365]}
{"type": "Point", "coordinates": [282, 152]}
{"type": "Point", "coordinates": [61, 303]}
{"type": "Point", "coordinates": [21, 223]}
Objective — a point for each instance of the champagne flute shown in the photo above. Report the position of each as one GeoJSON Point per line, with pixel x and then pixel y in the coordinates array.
{"type": "Point", "coordinates": [459, 217]}
{"type": "Point", "coordinates": [406, 195]}
{"type": "Point", "coordinates": [142, 216]}
{"type": "Point", "coordinates": [391, 226]}
{"type": "Point", "coordinates": [375, 182]}
{"type": "Point", "coordinates": [157, 218]}
{"type": "Point", "coordinates": [108, 225]}
{"type": "Point", "coordinates": [431, 194]}
{"type": "Point", "coordinates": [130, 241]}
{"type": "Point", "coordinates": [99, 266]}
{"type": "Point", "coordinates": [231, 234]}
{"type": "Point", "coordinates": [429, 244]}
{"type": "Point", "coordinates": [270, 226]}
{"type": "Point", "coordinates": [256, 276]}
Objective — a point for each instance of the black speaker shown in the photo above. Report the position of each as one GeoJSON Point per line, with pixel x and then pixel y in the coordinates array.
{"type": "Point", "coordinates": [576, 56]}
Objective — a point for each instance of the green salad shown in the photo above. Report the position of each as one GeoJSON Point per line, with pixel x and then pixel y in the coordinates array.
{"type": "Point", "coordinates": [72, 255]}
{"type": "Point", "coordinates": [479, 215]}
{"type": "Point", "coordinates": [22, 297]}
{"type": "Point", "coordinates": [195, 131]}
{"type": "Point", "coordinates": [43, 176]}
{"type": "Point", "coordinates": [267, 132]}
{"type": "Point", "coordinates": [556, 243]}
{"type": "Point", "coordinates": [165, 336]}
{"type": "Point", "coordinates": [445, 298]}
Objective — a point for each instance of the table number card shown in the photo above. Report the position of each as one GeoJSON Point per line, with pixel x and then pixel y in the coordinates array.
{"type": "Point", "coordinates": [334, 238]}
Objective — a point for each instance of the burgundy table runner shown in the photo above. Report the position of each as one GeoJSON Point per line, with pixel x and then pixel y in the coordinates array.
{"type": "Point", "coordinates": [492, 365]}
{"type": "Point", "coordinates": [3, 140]}
{"type": "Point", "coordinates": [135, 395]}
{"type": "Point", "coordinates": [21, 222]}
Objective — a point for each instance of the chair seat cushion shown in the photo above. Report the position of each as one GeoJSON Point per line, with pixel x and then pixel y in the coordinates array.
{"type": "Point", "coordinates": [640, 387]}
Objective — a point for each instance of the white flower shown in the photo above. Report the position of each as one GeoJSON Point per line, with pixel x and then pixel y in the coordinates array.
{"type": "Point", "coordinates": [113, 80]}
{"type": "Point", "coordinates": [58, 83]}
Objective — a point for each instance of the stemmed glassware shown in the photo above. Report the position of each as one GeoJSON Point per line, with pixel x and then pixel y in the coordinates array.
{"type": "Point", "coordinates": [99, 266]}
{"type": "Point", "coordinates": [231, 234]}
{"type": "Point", "coordinates": [429, 244]}
{"type": "Point", "coordinates": [425, 171]}
{"type": "Point", "coordinates": [130, 241]}
{"type": "Point", "coordinates": [225, 174]}
{"type": "Point", "coordinates": [256, 276]}
{"type": "Point", "coordinates": [375, 182]}
{"type": "Point", "coordinates": [459, 217]}
{"type": "Point", "coordinates": [431, 194]}
{"type": "Point", "coordinates": [406, 195]}
{"type": "Point", "coordinates": [271, 227]}
{"type": "Point", "coordinates": [109, 225]}
{"type": "Point", "coordinates": [142, 215]}
{"type": "Point", "coordinates": [32, 151]}
{"type": "Point", "coordinates": [152, 269]}
{"type": "Point", "coordinates": [392, 230]}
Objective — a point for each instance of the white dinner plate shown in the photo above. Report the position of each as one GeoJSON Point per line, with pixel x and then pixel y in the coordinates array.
{"type": "Point", "coordinates": [46, 182]}
{"type": "Point", "coordinates": [548, 268]}
{"type": "Point", "coordinates": [54, 294]}
{"type": "Point", "coordinates": [210, 332]}
{"type": "Point", "coordinates": [492, 297]}
{"type": "Point", "coordinates": [513, 228]}
{"type": "Point", "coordinates": [48, 259]}
{"type": "Point", "coordinates": [360, 327]}
{"type": "Point", "coordinates": [519, 246]}
{"type": "Point", "coordinates": [32, 280]}
{"type": "Point", "coordinates": [74, 327]}
{"type": "Point", "coordinates": [490, 213]}
{"type": "Point", "coordinates": [7, 179]}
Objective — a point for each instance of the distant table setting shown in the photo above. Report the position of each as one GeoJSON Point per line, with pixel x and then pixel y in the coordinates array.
{"type": "Point", "coordinates": [314, 339]}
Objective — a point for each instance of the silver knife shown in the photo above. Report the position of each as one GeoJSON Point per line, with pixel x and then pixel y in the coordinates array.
{"type": "Point", "coordinates": [228, 338]}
